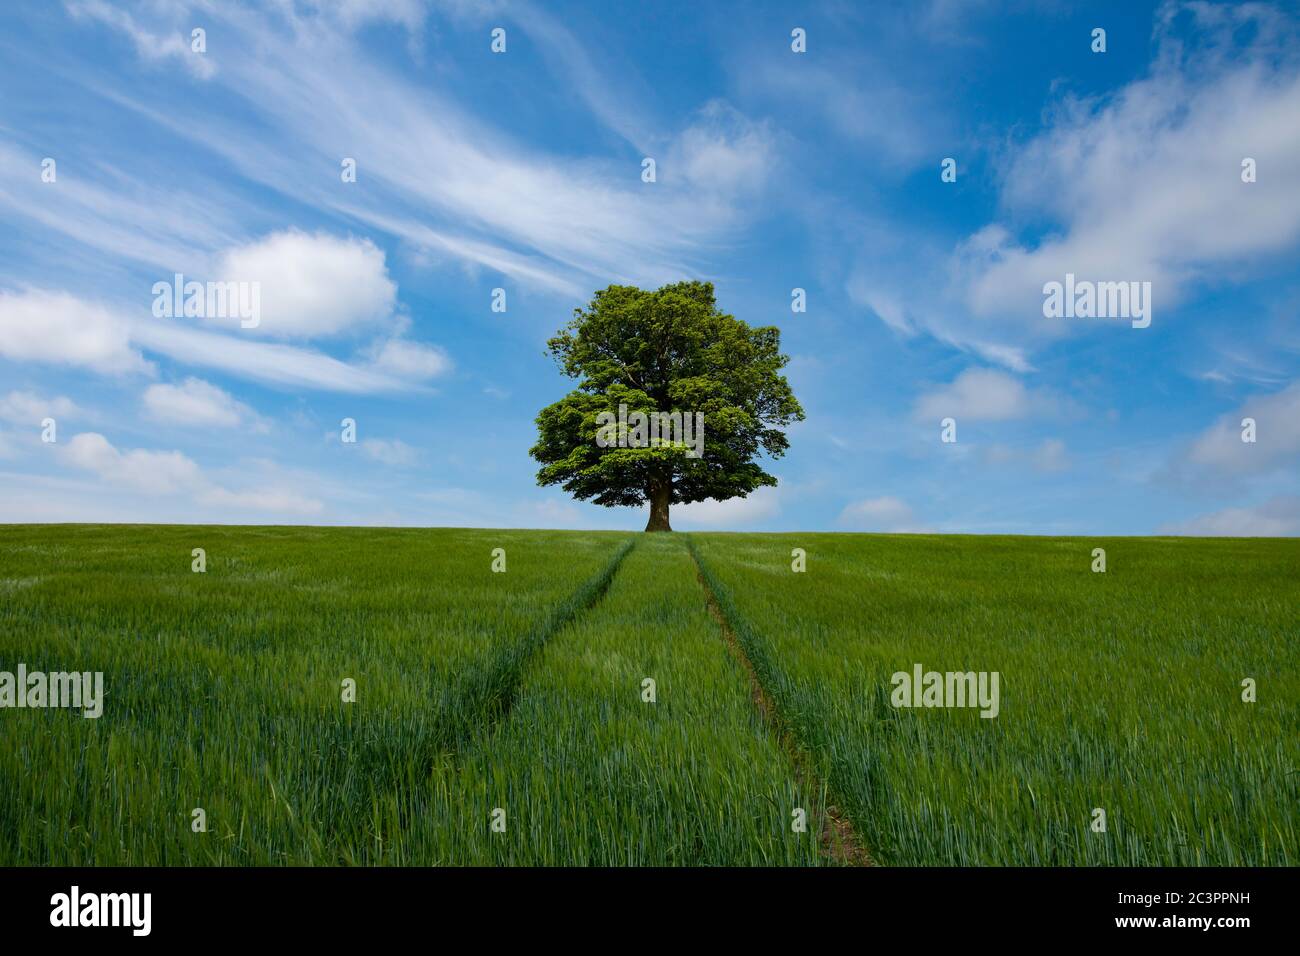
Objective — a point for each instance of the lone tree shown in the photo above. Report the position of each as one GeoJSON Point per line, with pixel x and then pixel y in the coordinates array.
{"type": "Point", "coordinates": [675, 399]}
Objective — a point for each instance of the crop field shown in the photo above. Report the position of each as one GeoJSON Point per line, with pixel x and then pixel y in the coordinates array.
{"type": "Point", "coordinates": [1119, 690]}
{"type": "Point", "coordinates": [445, 697]}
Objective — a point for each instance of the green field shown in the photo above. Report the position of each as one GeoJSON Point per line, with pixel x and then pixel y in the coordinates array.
{"type": "Point", "coordinates": [517, 698]}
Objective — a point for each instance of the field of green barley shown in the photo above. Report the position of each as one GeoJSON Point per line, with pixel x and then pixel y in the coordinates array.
{"type": "Point", "coordinates": [630, 699]}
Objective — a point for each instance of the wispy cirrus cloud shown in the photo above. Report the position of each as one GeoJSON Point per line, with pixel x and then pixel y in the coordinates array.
{"type": "Point", "coordinates": [454, 182]}
{"type": "Point", "coordinates": [171, 44]}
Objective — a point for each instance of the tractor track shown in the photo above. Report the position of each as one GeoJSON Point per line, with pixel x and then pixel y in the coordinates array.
{"type": "Point", "coordinates": [485, 698]}
{"type": "Point", "coordinates": [839, 841]}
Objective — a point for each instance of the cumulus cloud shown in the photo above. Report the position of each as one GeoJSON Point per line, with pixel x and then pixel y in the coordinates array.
{"type": "Point", "coordinates": [887, 513]}
{"type": "Point", "coordinates": [199, 403]}
{"type": "Point", "coordinates": [346, 288]}
{"type": "Point", "coordinates": [172, 473]}
{"type": "Point", "coordinates": [409, 360]}
{"type": "Point", "coordinates": [1218, 460]}
{"type": "Point", "coordinates": [28, 408]}
{"type": "Point", "coordinates": [313, 284]}
{"type": "Point", "coordinates": [153, 472]}
{"type": "Point", "coordinates": [722, 152]}
{"type": "Point", "coordinates": [60, 329]}
{"type": "Point", "coordinates": [1220, 448]}
{"type": "Point", "coordinates": [1146, 184]}
{"type": "Point", "coordinates": [1142, 183]}
{"type": "Point", "coordinates": [981, 395]}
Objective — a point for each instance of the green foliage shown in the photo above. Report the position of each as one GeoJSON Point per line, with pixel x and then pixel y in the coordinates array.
{"type": "Point", "coordinates": [671, 350]}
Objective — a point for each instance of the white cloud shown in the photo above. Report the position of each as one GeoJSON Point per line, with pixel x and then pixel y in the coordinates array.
{"type": "Point", "coordinates": [318, 285]}
{"type": "Point", "coordinates": [354, 13]}
{"type": "Point", "coordinates": [124, 213]}
{"type": "Point", "coordinates": [897, 280]}
{"type": "Point", "coordinates": [260, 499]}
{"type": "Point", "coordinates": [886, 305]}
{"type": "Point", "coordinates": [389, 451]}
{"type": "Point", "coordinates": [173, 45]}
{"type": "Point", "coordinates": [173, 473]}
{"type": "Point", "coordinates": [1146, 184]}
{"type": "Point", "coordinates": [978, 394]}
{"type": "Point", "coordinates": [1008, 356]}
{"type": "Point", "coordinates": [1218, 460]}
{"type": "Point", "coordinates": [612, 91]}
{"type": "Point", "coordinates": [1277, 517]}
{"type": "Point", "coordinates": [271, 362]}
{"type": "Point", "coordinates": [1219, 449]}
{"type": "Point", "coordinates": [1050, 456]}
{"type": "Point", "coordinates": [721, 152]}
{"type": "Point", "coordinates": [887, 513]}
{"type": "Point", "coordinates": [759, 506]}
{"type": "Point", "coordinates": [554, 514]}
{"type": "Point", "coordinates": [28, 408]}
{"type": "Point", "coordinates": [855, 97]}
{"type": "Point", "coordinates": [449, 180]}
{"type": "Point", "coordinates": [408, 360]}
{"type": "Point", "coordinates": [56, 328]}
{"type": "Point", "coordinates": [199, 403]}
{"type": "Point", "coordinates": [313, 285]}
{"type": "Point", "coordinates": [1140, 184]}
{"type": "Point", "coordinates": [153, 472]}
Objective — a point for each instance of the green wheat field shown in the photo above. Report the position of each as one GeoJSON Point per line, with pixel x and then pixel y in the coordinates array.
{"type": "Point", "coordinates": [508, 718]}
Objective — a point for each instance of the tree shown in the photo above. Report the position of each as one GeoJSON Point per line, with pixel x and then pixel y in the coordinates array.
{"type": "Point", "coordinates": [642, 359]}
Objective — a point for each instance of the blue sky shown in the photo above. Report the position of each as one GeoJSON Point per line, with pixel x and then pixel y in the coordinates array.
{"type": "Point", "coordinates": [775, 170]}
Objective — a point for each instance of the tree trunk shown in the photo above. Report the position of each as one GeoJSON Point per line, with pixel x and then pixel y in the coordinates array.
{"type": "Point", "coordinates": [660, 496]}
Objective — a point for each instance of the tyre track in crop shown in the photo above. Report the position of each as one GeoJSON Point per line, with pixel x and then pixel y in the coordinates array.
{"type": "Point", "coordinates": [839, 841]}
{"type": "Point", "coordinates": [484, 694]}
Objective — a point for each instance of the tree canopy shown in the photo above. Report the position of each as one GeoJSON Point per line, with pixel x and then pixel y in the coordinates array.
{"type": "Point", "coordinates": [669, 352]}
